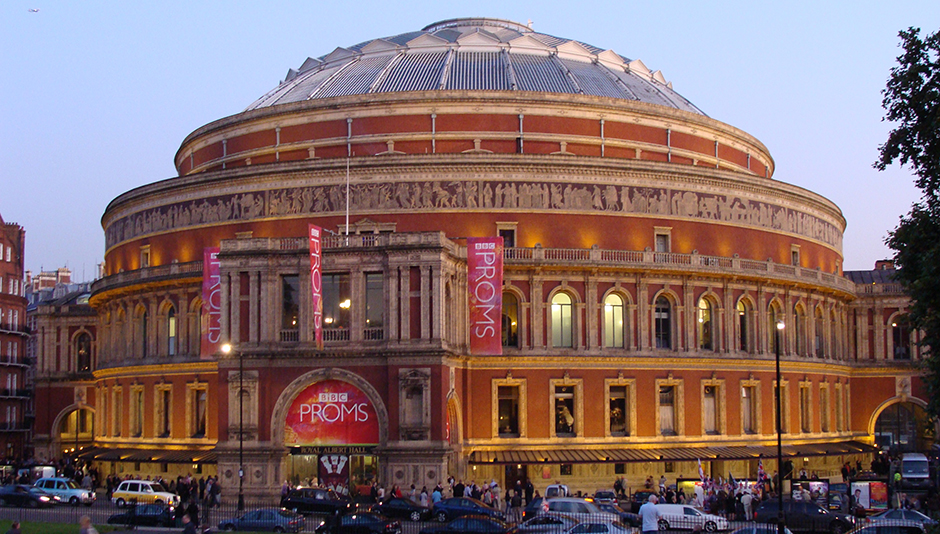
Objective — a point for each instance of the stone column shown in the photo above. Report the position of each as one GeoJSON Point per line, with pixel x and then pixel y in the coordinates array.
{"type": "Point", "coordinates": [538, 307]}
{"type": "Point", "coordinates": [643, 321]}
{"type": "Point", "coordinates": [592, 338]}
{"type": "Point", "coordinates": [253, 305]}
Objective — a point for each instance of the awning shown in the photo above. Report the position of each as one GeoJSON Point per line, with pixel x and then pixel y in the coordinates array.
{"type": "Point", "coordinates": [104, 454]}
{"type": "Point", "coordinates": [584, 455]}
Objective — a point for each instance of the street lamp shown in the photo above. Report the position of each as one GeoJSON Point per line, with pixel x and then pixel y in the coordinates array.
{"type": "Point", "coordinates": [780, 527]}
{"type": "Point", "coordinates": [226, 349]}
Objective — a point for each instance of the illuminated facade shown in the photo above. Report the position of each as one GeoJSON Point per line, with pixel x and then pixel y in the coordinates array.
{"type": "Point", "coordinates": [648, 255]}
{"type": "Point", "coordinates": [15, 394]}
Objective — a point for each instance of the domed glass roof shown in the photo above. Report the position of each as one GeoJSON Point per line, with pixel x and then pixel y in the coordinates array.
{"type": "Point", "coordinates": [477, 54]}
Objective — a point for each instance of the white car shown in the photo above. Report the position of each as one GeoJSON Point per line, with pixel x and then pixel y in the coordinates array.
{"type": "Point", "coordinates": [684, 517]}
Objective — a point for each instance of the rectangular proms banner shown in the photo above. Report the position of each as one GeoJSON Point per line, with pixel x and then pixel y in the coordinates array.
{"type": "Point", "coordinates": [211, 303]}
{"type": "Point", "coordinates": [485, 273]}
{"type": "Point", "coordinates": [316, 283]}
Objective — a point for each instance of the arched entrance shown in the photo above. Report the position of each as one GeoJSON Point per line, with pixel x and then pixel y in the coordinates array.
{"type": "Point", "coordinates": [73, 430]}
{"type": "Point", "coordinates": [903, 427]}
{"type": "Point", "coordinates": [331, 422]}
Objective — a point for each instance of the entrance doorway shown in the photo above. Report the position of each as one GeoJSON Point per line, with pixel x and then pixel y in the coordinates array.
{"type": "Point", "coordinates": [516, 473]}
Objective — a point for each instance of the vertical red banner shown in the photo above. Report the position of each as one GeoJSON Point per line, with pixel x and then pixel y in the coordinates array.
{"type": "Point", "coordinates": [485, 276]}
{"type": "Point", "coordinates": [316, 283]}
{"type": "Point", "coordinates": [211, 319]}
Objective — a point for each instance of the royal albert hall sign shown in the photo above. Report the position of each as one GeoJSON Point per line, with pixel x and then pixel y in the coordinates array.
{"type": "Point", "coordinates": [331, 413]}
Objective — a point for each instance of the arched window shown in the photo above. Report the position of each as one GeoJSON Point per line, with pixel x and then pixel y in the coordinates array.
{"type": "Point", "coordinates": [901, 336]}
{"type": "Point", "coordinates": [613, 321]}
{"type": "Point", "coordinates": [561, 320]}
{"type": "Point", "coordinates": [662, 319]}
{"type": "Point", "coordinates": [705, 325]}
{"type": "Point", "coordinates": [83, 353]}
{"type": "Point", "coordinates": [171, 331]}
{"type": "Point", "coordinates": [743, 331]}
{"type": "Point", "coordinates": [776, 336]}
{"type": "Point", "coordinates": [510, 320]}
{"type": "Point", "coordinates": [820, 339]}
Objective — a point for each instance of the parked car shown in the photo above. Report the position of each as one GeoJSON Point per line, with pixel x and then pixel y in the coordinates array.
{"type": "Point", "coordinates": [625, 517]}
{"type": "Point", "coordinates": [450, 509]}
{"type": "Point", "coordinates": [361, 523]}
{"type": "Point", "coordinates": [316, 501]}
{"type": "Point", "coordinates": [894, 527]}
{"type": "Point", "coordinates": [39, 492]}
{"type": "Point", "coordinates": [901, 515]}
{"type": "Point", "coordinates": [265, 520]}
{"type": "Point", "coordinates": [532, 508]}
{"type": "Point", "coordinates": [602, 528]}
{"type": "Point", "coordinates": [685, 517]}
{"type": "Point", "coordinates": [67, 490]}
{"type": "Point", "coordinates": [475, 524]}
{"type": "Point", "coordinates": [805, 516]}
{"type": "Point", "coordinates": [20, 495]}
{"type": "Point", "coordinates": [149, 515]}
{"type": "Point", "coordinates": [605, 496]}
{"type": "Point", "coordinates": [143, 492]}
{"type": "Point", "coordinates": [581, 509]}
{"type": "Point", "coordinates": [405, 508]}
{"type": "Point", "coordinates": [758, 528]}
{"type": "Point", "coordinates": [638, 499]}
{"type": "Point", "coordinates": [546, 523]}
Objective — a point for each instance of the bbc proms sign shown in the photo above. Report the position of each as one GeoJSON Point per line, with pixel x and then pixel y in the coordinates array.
{"type": "Point", "coordinates": [485, 276]}
{"type": "Point", "coordinates": [331, 412]}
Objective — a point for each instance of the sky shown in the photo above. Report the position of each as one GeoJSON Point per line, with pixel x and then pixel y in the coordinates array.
{"type": "Point", "coordinates": [97, 96]}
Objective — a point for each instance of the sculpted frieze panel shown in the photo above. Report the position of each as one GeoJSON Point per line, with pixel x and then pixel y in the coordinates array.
{"type": "Point", "coordinates": [473, 194]}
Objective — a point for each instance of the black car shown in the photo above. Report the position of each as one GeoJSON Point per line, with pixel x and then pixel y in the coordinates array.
{"type": "Point", "coordinates": [265, 519]}
{"type": "Point", "coordinates": [546, 523]}
{"type": "Point", "coordinates": [149, 515]}
{"type": "Point", "coordinates": [316, 501]}
{"type": "Point", "coordinates": [805, 516]}
{"type": "Point", "coordinates": [20, 495]}
{"type": "Point", "coordinates": [479, 524]}
{"type": "Point", "coordinates": [361, 523]}
{"type": "Point", "coordinates": [405, 508]}
{"type": "Point", "coordinates": [455, 507]}
{"type": "Point", "coordinates": [532, 508]}
{"type": "Point", "coordinates": [625, 517]}
{"type": "Point", "coordinates": [639, 499]}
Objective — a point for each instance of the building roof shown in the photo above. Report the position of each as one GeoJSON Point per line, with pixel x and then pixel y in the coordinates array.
{"type": "Point", "coordinates": [478, 54]}
{"type": "Point", "coordinates": [876, 276]}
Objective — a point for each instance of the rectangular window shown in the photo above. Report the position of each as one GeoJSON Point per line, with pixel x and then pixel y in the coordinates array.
{"type": "Point", "coordinates": [840, 421]}
{"type": "Point", "coordinates": [509, 237]}
{"type": "Point", "coordinates": [508, 411]}
{"type": "Point", "coordinates": [710, 409]}
{"type": "Point", "coordinates": [290, 302]}
{"type": "Point", "coordinates": [164, 411]}
{"type": "Point", "coordinates": [619, 411]}
{"type": "Point", "coordinates": [337, 301]}
{"type": "Point", "coordinates": [781, 392]}
{"type": "Point", "coordinates": [137, 411]}
{"type": "Point", "coordinates": [748, 410]}
{"type": "Point", "coordinates": [117, 408]}
{"type": "Point", "coordinates": [566, 469]}
{"type": "Point", "coordinates": [804, 410]}
{"type": "Point", "coordinates": [199, 397]}
{"type": "Point", "coordinates": [824, 409]}
{"type": "Point", "coordinates": [564, 411]}
{"type": "Point", "coordinates": [375, 305]}
{"type": "Point", "coordinates": [145, 256]}
{"type": "Point", "coordinates": [620, 469]}
{"type": "Point", "coordinates": [667, 410]}
{"type": "Point", "coordinates": [662, 242]}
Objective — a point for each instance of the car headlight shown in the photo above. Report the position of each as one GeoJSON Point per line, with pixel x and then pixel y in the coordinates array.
{"type": "Point", "coordinates": [44, 499]}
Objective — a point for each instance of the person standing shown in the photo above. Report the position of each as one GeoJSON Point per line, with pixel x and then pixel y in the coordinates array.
{"type": "Point", "coordinates": [649, 515]}
{"type": "Point", "coordinates": [188, 526]}
{"type": "Point", "coordinates": [85, 527]}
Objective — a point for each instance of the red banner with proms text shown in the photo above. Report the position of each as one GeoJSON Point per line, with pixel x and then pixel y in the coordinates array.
{"type": "Point", "coordinates": [485, 274]}
{"type": "Point", "coordinates": [211, 317]}
{"type": "Point", "coordinates": [316, 283]}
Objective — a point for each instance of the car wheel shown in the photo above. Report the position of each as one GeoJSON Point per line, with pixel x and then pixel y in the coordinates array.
{"type": "Point", "coordinates": [663, 524]}
{"type": "Point", "coordinates": [33, 504]}
{"type": "Point", "coordinates": [73, 501]}
{"type": "Point", "coordinates": [442, 517]}
{"type": "Point", "coordinates": [158, 501]}
{"type": "Point", "coordinates": [712, 527]}
{"type": "Point", "coordinates": [415, 516]}
{"type": "Point", "coordinates": [278, 529]}
{"type": "Point", "coordinates": [120, 503]}
{"type": "Point", "coordinates": [836, 528]}
{"type": "Point", "coordinates": [228, 527]}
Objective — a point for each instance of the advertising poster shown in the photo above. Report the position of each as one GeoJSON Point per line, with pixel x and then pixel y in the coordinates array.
{"type": "Point", "coordinates": [485, 275]}
{"type": "Point", "coordinates": [331, 412]}
{"type": "Point", "coordinates": [316, 283]}
{"type": "Point", "coordinates": [211, 317]}
{"type": "Point", "coordinates": [333, 472]}
{"type": "Point", "coordinates": [812, 490]}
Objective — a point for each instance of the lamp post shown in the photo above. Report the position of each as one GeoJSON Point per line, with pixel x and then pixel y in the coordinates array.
{"type": "Point", "coordinates": [226, 349]}
{"type": "Point", "coordinates": [780, 527]}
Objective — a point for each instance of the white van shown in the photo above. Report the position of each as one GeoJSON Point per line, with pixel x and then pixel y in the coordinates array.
{"type": "Point", "coordinates": [684, 517]}
{"type": "Point", "coordinates": [915, 471]}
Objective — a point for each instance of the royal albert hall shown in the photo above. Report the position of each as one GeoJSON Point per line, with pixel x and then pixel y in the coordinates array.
{"type": "Point", "coordinates": [648, 255]}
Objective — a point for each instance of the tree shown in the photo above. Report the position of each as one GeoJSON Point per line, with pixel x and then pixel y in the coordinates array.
{"type": "Point", "coordinates": [912, 102]}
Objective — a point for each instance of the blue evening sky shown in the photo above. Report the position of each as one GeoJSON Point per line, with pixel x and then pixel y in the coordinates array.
{"type": "Point", "coordinates": [96, 96]}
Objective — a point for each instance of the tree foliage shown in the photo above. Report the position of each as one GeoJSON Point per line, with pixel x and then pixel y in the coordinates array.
{"type": "Point", "coordinates": [912, 102]}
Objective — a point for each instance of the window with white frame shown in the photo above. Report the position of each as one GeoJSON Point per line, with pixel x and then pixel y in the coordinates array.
{"type": "Point", "coordinates": [613, 321]}
{"type": "Point", "coordinates": [561, 320]}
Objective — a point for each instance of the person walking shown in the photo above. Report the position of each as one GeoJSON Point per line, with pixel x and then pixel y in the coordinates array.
{"type": "Point", "coordinates": [649, 515]}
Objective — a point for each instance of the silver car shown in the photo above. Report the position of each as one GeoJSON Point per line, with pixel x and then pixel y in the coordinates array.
{"type": "Point", "coordinates": [67, 490]}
